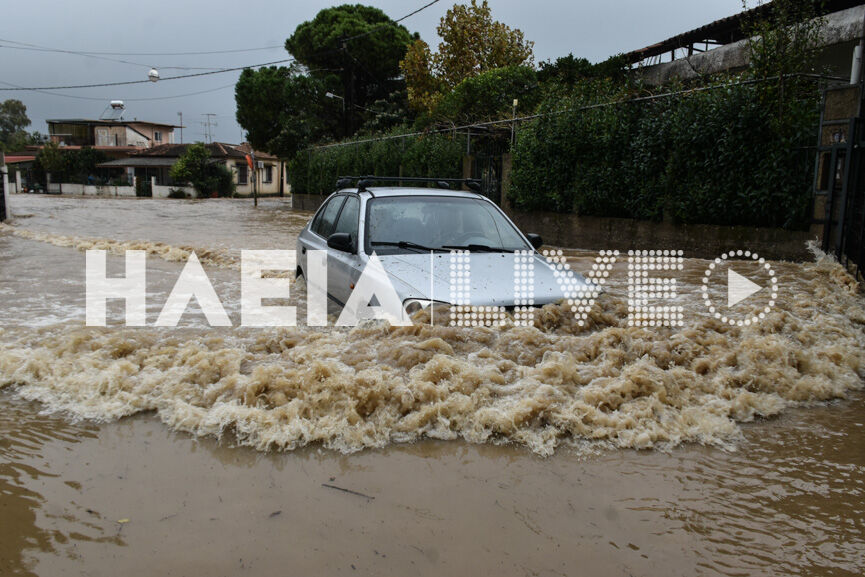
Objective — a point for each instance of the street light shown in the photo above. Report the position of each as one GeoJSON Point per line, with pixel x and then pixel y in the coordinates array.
{"type": "Point", "coordinates": [344, 117]}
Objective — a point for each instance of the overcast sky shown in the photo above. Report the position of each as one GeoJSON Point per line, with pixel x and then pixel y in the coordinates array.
{"type": "Point", "coordinates": [592, 29]}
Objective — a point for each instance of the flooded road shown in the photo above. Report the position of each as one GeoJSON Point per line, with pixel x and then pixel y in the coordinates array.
{"type": "Point", "coordinates": [506, 449]}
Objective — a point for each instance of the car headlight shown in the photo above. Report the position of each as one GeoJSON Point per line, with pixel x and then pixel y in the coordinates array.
{"type": "Point", "coordinates": [414, 305]}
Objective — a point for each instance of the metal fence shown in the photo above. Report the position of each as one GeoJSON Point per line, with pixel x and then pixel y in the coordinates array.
{"type": "Point", "coordinates": [839, 178]}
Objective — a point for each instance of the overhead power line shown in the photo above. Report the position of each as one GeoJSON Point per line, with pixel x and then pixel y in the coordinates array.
{"type": "Point", "coordinates": [146, 81]}
{"type": "Point", "coordinates": [5, 43]}
{"type": "Point", "coordinates": [397, 21]}
{"type": "Point", "coordinates": [16, 88]}
{"type": "Point", "coordinates": [103, 98]}
{"type": "Point", "coordinates": [421, 9]}
{"type": "Point", "coordinates": [193, 53]}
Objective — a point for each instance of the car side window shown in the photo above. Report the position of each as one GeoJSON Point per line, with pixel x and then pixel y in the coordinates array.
{"type": "Point", "coordinates": [323, 224]}
{"type": "Point", "coordinates": [348, 218]}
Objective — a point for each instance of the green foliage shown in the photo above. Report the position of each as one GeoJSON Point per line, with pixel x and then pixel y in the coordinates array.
{"type": "Point", "coordinates": [82, 164]}
{"type": "Point", "coordinates": [718, 156]}
{"type": "Point", "coordinates": [318, 43]}
{"type": "Point", "coordinates": [282, 109]}
{"type": "Point", "coordinates": [490, 95]}
{"type": "Point", "coordinates": [569, 70]}
{"type": "Point", "coordinates": [20, 139]}
{"type": "Point", "coordinates": [195, 167]}
{"type": "Point", "coordinates": [78, 166]}
{"type": "Point", "coordinates": [225, 186]}
{"type": "Point", "coordinates": [13, 121]}
{"type": "Point", "coordinates": [785, 39]}
{"type": "Point", "coordinates": [315, 171]}
{"type": "Point", "coordinates": [286, 109]}
{"type": "Point", "coordinates": [472, 44]}
{"type": "Point", "coordinates": [51, 159]}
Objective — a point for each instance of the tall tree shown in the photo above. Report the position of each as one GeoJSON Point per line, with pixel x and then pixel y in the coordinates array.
{"type": "Point", "coordinates": [351, 51]}
{"type": "Point", "coordinates": [51, 158]}
{"type": "Point", "coordinates": [472, 43]}
{"type": "Point", "coordinates": [355, 50]}
{"type": "Point", "coordinates": [13, 121]}
{"type": "Point", "coordinates": [283, 109]}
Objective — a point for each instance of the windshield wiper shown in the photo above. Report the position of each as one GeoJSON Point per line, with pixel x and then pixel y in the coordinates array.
{"type": "Point", "coordinates": [408, 244]}
{"type": "Point", "coordinates": [477, 248]}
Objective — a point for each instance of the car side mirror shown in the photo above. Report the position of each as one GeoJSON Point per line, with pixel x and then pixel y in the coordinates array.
{"type": "Point", "coordinates": [340, 241]}
{"type": "Point", "coordinates": [536, 240]}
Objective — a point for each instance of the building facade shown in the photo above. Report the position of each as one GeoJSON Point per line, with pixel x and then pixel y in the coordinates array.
{"type": "Point", "coordinates": [109, 134]}
{"type": "Point", "coordinates": [153, 166]}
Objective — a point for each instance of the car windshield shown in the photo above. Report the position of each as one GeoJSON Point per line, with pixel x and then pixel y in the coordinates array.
{"type": "Point", "coordinates": [404, 224]}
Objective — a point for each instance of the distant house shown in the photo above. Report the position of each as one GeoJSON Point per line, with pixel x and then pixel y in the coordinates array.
{"type": "Point", "coordinates": [153, 166]}
{"type": "Point", "coordinates": [110, 136]}
{"type": "Point", "coordinates": [20, 167]}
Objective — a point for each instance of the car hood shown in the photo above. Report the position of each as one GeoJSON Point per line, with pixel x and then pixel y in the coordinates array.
{"type": "Point", "coordinates": [491, 278]}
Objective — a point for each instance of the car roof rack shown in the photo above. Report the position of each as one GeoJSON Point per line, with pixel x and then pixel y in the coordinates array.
{"type": "Point", "coordinates": [363, 182]}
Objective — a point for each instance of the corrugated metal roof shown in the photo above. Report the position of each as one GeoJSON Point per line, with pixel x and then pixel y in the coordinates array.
{"type": "Point", "coordinates": [726, 30]}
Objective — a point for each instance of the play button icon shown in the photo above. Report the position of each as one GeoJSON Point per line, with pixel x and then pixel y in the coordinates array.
{"type": "Point", "coordinates": [739, 288]}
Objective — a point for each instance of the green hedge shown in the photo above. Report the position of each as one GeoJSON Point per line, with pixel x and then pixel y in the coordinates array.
{"type": "Point", "coordinates": [730, 155]}
{"type": "Point", "coordinates": [315, 171]}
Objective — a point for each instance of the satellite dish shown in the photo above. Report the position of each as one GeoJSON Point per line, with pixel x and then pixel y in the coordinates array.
{"type": "Point", "coordinates": [153, 75]}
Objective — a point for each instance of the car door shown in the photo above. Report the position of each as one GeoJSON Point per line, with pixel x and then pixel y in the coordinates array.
{"type": "Point", "coordinates": [344, 268]}
{"type": "Point", "coordinates": [315, 237]}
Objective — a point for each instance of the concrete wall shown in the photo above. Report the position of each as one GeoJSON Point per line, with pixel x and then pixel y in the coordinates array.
{"type": "Point", "coordinates": [160, 191]}
{"type": "Point", "coordinates": [91, 190]}
{"type": "Point", "coordinates": [696, 240]}
{"type": "Point", "coordinates": [144, 131]}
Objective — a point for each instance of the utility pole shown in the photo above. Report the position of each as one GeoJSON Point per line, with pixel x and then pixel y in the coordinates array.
{"type": "Point", "coordinates": [347, 88]}
{"type": "Point", "coordinates": [254, 178]}
{"type": "Point", "coordinates": [514, 122]}
{"type": "Point", "coordinates": [180, 114]}
{"type": "Point", "coordinates": [4, 196]}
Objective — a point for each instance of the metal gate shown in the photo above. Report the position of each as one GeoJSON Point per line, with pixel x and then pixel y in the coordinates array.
{"type": "Point", "coordinates": [839, 178]}
{"type": "Point", "coordinates": [487, 165]}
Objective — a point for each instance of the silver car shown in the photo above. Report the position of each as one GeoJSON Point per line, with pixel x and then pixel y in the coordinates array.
{"type": "Point", "coordinates": [414, 231]}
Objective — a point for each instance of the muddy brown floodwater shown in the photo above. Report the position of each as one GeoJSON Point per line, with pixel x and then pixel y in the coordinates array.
{"type": "Point", "coordinates": [558, 449]}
